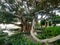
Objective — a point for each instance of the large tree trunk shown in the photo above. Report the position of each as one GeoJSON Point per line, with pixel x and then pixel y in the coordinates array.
{"type": "Point", "coordinates": [26, 26]}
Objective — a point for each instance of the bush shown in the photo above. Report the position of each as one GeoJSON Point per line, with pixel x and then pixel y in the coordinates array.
{"type": "Point", "coordinates": [49, 32]}
{"type": "Point", "coordinates": [2, 38]}
{"type": "Point", "coordinates": [20, 39]}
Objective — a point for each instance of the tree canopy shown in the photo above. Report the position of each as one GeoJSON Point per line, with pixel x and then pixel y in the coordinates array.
{"type": "Point", "coordinates": [26, 11]}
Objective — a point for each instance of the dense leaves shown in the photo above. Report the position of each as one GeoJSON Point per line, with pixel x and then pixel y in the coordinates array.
{"type": "Point", "coordinates": [25, 11]}
{"type": "Point", "coordinates": [7, 18]}
{"type": "Point", "coordinates": [20, 39]}
{"type": "Point", "coordinates": [49, 32]}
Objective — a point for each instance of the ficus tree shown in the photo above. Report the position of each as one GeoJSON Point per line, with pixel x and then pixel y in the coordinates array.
{"type": "Point", "coordinates": [27, 10]}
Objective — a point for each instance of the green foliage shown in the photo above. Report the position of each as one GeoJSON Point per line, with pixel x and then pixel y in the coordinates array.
{"type": "Point", "coordinates": [11, 1]}
{"type": "Point", "coordinates": [49, 32]}
{"type": "Point", "coordinates": [16, 39]}
{"type": "Point", "coordinates": [57, 42]}
{"type": "Point", "coordinates": [6, 18]}
{"type": "Point", "coordinates": [2, 38]}
{"type": "Point", "coordinates": [47, 43]}
{"type": "Point", "coordinates": [53, 30]}
{"type": "Point", "coordinates": [55, 17]}
{"type": "Point", "coordinates": [20, 39]}
{"type": "Point", "coordinates": [43, 22]}
{"type": "Point", "coordinates": [42, 5]}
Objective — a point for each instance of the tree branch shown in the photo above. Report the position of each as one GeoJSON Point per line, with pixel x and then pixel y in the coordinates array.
{"type": "Point", "coordinates": [11, 14]}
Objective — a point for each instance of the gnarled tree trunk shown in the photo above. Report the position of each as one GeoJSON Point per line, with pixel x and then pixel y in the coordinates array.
{"type": "Point", "coordinates": [26, 26]}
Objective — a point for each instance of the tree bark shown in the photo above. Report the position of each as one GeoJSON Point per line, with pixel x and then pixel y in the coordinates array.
{"type": "Point", "coordinates": [26, 26]}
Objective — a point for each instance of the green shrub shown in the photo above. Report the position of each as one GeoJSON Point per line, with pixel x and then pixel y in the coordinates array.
{"type": "Point", "coordinates": [49, 32]}
{"type": "Point", "coordinates": [56, 42]}
{"type": "Point", "coordinates": [20, 39]}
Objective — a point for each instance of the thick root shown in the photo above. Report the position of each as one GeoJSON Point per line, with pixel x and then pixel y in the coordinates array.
{"type": "Point", "coordinates": [44, 40]}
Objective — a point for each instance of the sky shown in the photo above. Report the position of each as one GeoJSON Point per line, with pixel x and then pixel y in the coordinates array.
{"type": "Point", "coordinates": [56, 11]}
